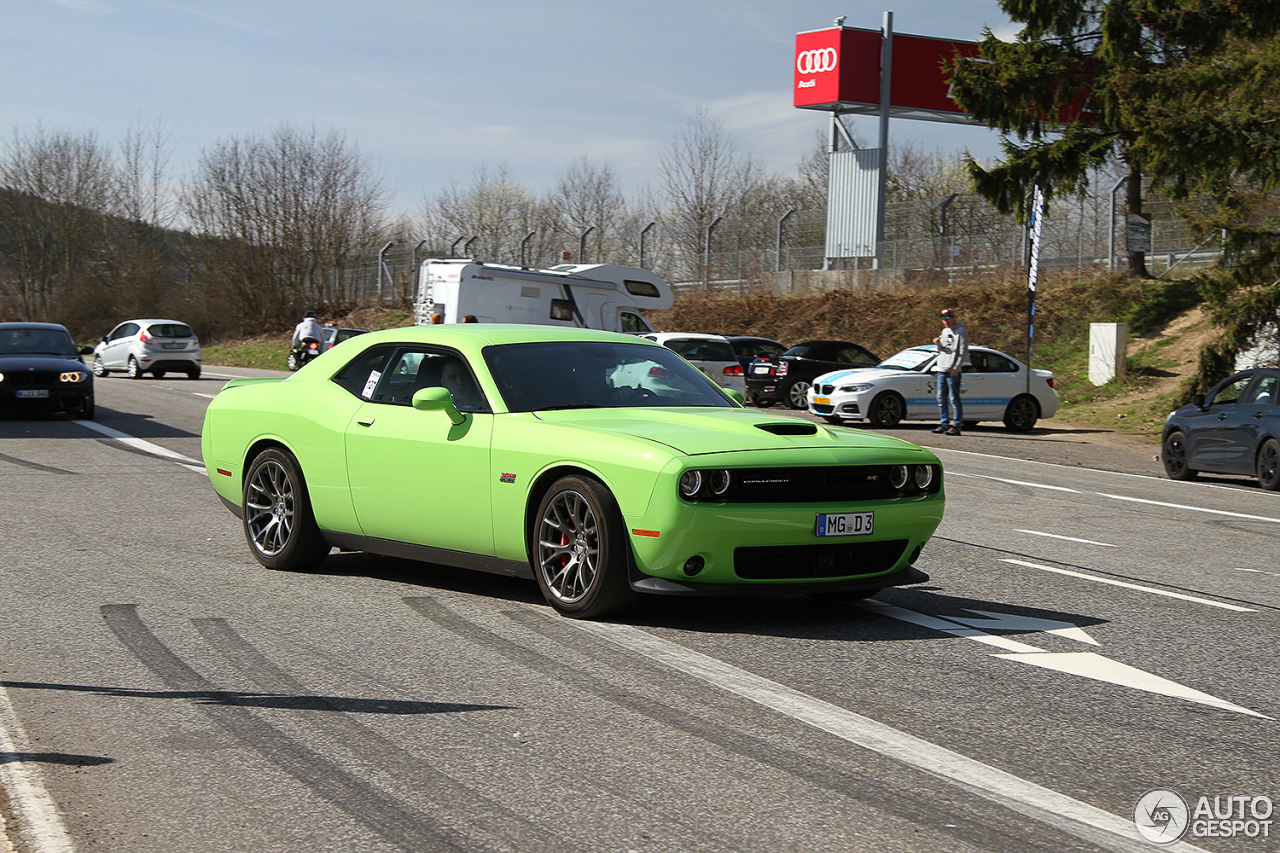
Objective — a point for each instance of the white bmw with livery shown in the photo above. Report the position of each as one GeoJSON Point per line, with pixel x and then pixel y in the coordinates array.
{"type": "Point", "coordinates": [994, 386]}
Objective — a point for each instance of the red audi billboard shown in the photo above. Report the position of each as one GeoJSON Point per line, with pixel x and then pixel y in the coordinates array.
{"type": "Point", "coordinates": [840, 68]}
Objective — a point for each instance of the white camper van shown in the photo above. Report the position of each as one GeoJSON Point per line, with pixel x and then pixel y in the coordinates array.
{"type": "Point", "coordinates": [591, 296]}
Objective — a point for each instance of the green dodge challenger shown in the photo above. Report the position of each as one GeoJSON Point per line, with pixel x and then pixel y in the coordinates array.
{"type": "Point", "coordinates": [601, 465]}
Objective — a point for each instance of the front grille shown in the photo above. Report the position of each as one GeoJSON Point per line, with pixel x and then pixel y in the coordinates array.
{"type": "Point", "coordinates": [835, 484]}
{"type": "Point", "coordinates": [839, 559]}
{"type": "Point", "coordinates": [824, 390]}
{"type": "Point", "coordinates": [27, 378]}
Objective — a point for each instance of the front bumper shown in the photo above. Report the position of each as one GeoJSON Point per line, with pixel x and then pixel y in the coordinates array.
{"type": "Point", "coordinates": [662, 586]}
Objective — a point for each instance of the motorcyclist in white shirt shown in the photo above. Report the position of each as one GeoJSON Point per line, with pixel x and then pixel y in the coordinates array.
{"type": "Point", "coordinates": [308, 328]}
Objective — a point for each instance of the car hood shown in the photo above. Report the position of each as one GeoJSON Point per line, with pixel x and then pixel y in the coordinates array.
{"type": "Point", "coordinates": [39, 362]}
{"type": "Point", "coordinates": [862, 374]}
{"type": "Point", "coordinates": [694, 431]}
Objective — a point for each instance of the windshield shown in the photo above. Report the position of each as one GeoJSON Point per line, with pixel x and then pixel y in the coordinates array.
{"type": "Point", "coordinates": [909, 359]}
{"type": "Point", "coordinates": [544, 376]}
{"type": "Point", "coordinates": [36, 342]}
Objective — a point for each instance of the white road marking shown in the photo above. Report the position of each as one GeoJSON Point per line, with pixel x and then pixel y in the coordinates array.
{"type": "Point", "coordinates": [1115, 497]}
{"type": "Point", "coordinates": [1021, 795]}
{"type": "Point", "coordinates": [146, 446]}
{"type": "Point", "coordinates": [1098, 668]}
{"type": "Point", "coordinates": [1260, 572]}
{"type": "Point", "coordinates": [1134, 586]}
{"type": "Point", "coordinates": [1066, 538]}
{"type": "Point", "coordinates": [43, 830]}
{"type": "Point", "coordinates": [1084, 664]}
{"type": "Point", "coordinates": [1013, 622]}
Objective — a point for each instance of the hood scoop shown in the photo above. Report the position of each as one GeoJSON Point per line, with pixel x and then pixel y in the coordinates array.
{"type": "Point", "coordinates": [796, 427]}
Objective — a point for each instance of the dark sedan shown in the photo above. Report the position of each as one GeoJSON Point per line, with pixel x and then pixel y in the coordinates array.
{"type": "Point", "coordinates": [1234, 429]}
{"type": "Point", "coordinates": [787, 377]}
{"type": "Point", "coordinates": [748, 348]}
{"type": "Point", "coordinates": [41, 371]}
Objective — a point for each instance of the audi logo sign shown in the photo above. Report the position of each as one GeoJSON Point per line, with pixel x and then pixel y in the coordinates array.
{"type": "Point", "coordinates": [816, 61]}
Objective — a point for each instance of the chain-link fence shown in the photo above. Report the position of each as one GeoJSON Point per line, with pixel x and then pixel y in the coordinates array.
{"type": "Point", "coordinates": [957, 237]}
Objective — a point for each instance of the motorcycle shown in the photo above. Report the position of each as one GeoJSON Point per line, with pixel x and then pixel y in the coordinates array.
{"type": "Point", "coordinates": [305, 351]}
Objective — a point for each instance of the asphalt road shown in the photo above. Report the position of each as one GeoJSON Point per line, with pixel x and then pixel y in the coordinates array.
{"type": "Point", "coordinates": [1088, 636]}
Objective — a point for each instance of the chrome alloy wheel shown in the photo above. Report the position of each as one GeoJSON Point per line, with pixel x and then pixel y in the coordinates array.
{"type": "Point", "coordinates": [569, 546]}
{"type": "Point", "coordinates": [269, 508]}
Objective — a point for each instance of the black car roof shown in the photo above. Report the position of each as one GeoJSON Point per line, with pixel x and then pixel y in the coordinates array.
{"type": "Point", "coordinates": [34, 325]}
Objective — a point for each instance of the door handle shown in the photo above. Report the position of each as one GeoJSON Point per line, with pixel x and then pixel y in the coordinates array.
{"type": "Point", "coordinates": [365, 422]}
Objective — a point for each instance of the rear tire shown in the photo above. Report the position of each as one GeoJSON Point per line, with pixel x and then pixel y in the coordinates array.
{"type": "Point", "coordinates": [579, 550]}
{"type": "Point", "coordinates": [1269, 465]}
{"type": "Point", "coordinates": [278, 524]}
{"type": "Point", "coordinates": [1173, 453]}
{"type": "Point", "coordinates": [1022, 413]}
{"type": "Point", "coordinates": [193, 373]}
{"type": "Point", "coordinates": [796, 394]}
{"type": "Point", "coordinates": [133, 370]}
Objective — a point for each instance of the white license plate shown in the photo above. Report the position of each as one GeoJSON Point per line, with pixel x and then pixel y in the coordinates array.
{"type": "Point", "coordinates": [173, 346]}
{"type": "Point", "coordinates": [761, 369]}
{"type": "Point", "coordinates": [34, 392]}
{"type": "Point", "coordinates": [845, 523]}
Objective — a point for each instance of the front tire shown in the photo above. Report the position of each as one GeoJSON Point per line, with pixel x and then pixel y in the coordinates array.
{"type": "Point", "coordinates": [133, 370]}
{"type": "Point", "coordinates": [797, 394]}
{"type": "Point", "coordinates": [886, 410]}
{"type": "Point", "coordinates": [1269, 465]}
{"type": "Point", "coordinates": [99, 369]}
{"type": "Point", "coordinates": [1022, 413]}
{"type": "Point", "coordinates": [579, 550]}
{"type": "Point", "coordinates": [278, 524]}
{"type": "Point", "coordinates": [1173, 453]}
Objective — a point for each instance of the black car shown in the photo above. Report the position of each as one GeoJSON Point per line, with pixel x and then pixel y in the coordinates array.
{"type": "Point", "coordinates": [41, 371]}
{"type": "Point", "coordinates": [748, 348]}
{"type": "Point", "coordinates": [787, 377]}
{"type": "Point", "coordinates": [1234, 429]}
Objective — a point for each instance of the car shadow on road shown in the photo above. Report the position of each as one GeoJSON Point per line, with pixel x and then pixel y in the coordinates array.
{"type": "Point", "coordinates": [132, 424]}
{"type": "Point", "coordinates": [776, 614]}
{"type": "Point", "coordinates": [820, 618]}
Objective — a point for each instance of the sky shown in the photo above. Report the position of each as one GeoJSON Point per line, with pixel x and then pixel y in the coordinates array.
{"type": "Point", "coordinates": [432, 91]}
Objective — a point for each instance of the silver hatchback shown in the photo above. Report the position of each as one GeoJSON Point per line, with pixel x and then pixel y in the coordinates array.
{"type": "Point", "coordinates": [157, 347]}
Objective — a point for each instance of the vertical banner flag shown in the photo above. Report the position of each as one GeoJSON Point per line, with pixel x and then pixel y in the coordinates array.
{"type": "Point", "coordinates": [1037, 222]}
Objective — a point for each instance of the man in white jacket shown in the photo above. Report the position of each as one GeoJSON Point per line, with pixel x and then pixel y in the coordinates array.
{"type": "Point", "coordinates": [953, 354]}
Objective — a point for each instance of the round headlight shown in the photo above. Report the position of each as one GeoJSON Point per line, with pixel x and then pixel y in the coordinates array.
{"type": "Point", "coordinates": [690, 483]}
{"type": "Point", "coordinates": [924, 476]}
{"type": "Point", "coordinates": [720, 481]}
{"type": "Point", "coordinates": [898, 476]}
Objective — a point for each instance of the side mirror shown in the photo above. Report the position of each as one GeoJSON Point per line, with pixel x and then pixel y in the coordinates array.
{"type": "Point", "coordinates": [437, 399]}
{"type": "Point", "coordinates": [85, 350]}
{"type": "Point", "coordinates": [735, 395]}
{"type": "Point", "coordinates": [1197, 400]}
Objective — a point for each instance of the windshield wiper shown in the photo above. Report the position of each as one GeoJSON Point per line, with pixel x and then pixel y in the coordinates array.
{"type": "Point", "coordinates": [570, 406]}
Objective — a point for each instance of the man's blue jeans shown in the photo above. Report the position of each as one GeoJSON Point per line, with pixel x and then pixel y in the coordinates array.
{"type": "Point", "coordinates": [949, 399]}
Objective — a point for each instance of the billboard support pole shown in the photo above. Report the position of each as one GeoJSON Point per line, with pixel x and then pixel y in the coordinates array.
{"type": "Point", "coordinates": [886, 88]}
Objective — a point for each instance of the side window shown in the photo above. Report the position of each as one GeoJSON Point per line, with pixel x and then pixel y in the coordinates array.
{"type": "Point", "coordinates": [996, 363]}
{"type": "Point", "coordinates": [1264, 392]}
{"type": "Point", "coordinates": [633, 324]}
{"type": "Point", "coordinates": [1231, 392]}
{"type": "Point", "coordinates": [856, 355]}
{"type": "Point", "coordinates": [361, 375]}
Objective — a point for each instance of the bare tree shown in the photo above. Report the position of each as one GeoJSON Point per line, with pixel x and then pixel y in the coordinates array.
{"type": "Point", "coordinates": [588, 198]}
{"type": "Point", "coordinates": [276, 216]}
{"type": "Point", "coordinates": [703, 176]}
{"type": "Point", "coordinates": [57, 192]}
{"type": "Point", "coordinates": [493, 215]}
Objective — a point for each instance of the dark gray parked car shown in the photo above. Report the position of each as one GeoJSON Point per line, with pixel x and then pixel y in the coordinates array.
{"type": "Point", "coordinates": [1234, 429]}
